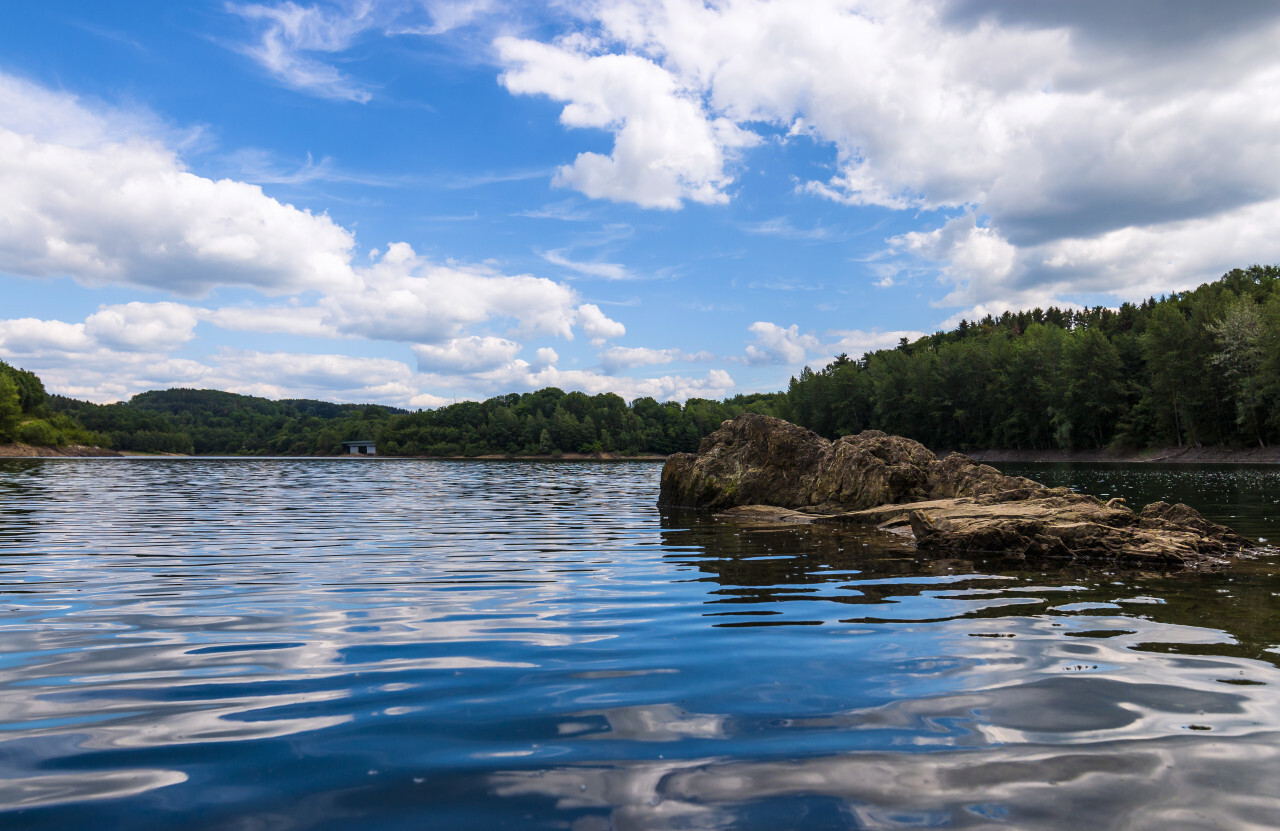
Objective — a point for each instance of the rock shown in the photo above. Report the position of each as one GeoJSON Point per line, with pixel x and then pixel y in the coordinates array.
{"type": "Point", "coordinates": [755, 459]}
{"type": "Point", "coordinates": [762, 467]}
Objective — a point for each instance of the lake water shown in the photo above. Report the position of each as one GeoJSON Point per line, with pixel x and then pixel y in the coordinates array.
{"type": "Point", "coordinates": [386, 644]}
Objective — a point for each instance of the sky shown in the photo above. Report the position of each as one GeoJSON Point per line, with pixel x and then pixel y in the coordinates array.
{"type": "Point", "coordinates": [414, 202]}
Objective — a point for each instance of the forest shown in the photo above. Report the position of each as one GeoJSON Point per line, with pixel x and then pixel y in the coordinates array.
{"type": "Point", "coordinates": [1199, 368]}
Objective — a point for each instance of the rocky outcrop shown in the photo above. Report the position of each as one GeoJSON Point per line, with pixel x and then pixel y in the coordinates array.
{"type": "Point", "coordinates": [952, 505]}
{"type": "Point", "coordinates": [755, 459]}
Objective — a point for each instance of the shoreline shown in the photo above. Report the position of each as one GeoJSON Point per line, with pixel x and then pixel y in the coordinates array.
{"type": "Point", "coordinates": [1162, 455]}
{"type": "Point", "coordinates": [1165, 455]}
{"type": "Point", "coordinates": [70, 451]}
{"type": "Point", "coordinates": [27, 451]}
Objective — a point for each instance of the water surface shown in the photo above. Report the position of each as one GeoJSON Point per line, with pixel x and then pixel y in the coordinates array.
{"type": "Point", "coordinates": [336, 644]}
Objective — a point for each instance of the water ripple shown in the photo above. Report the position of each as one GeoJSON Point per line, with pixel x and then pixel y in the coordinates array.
{"type": "Point", "coordinates": [256, 643]}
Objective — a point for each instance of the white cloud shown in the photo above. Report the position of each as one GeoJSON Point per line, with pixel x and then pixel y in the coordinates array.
{"type": "Point", "coordinates": [130, 327]}
{"type": "Point", "coordinates": [545, 357]}
{"type": "Point", "coordinates": [855, 343]}
{"type": "Point", "coordinates": [81, 200]}
{"type": "Point", "coordinates": [405, 297]}
{"type": "Point", "coordinates": [114, 353]}
{"type": "Point", "coordinates": [449, 14]}
{"type": "Point", "coordinates": [466, 355]}
{"type": "Point", "coordinates": [135, 327]}
{"type": "Point", "coordinates": [619, 358]}
{"type": "Point", "coordinates": [520, 376]}
{"type": "Point", "coordinates": [28, 336]}
{"type": "Point", "coordinates": [300, 375]}
{"type": "Point", "coordinates": [597, 326]}
{"type": "Point", "coordinates": [988, 274]}
{"type": "Point", "coordinates": [609, 271]}
{"type": "Point", "coordinates": [1077, 133]}
{"type": "Point", "coordinates": [776, 345]}
{"type": "Point", "coordinates": [289, 34]}
{"type": "Point", "coordinates": [306, 321]}
{"type": "Point", "coordinates": [666, 147]}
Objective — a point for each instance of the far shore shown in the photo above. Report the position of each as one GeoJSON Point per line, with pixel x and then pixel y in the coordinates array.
{"type": "Point", "coordinates": [26, 451]}
{"type": "Point", "coordinates": [1164, 455]}
{"type": "Point", "coordinates": [1167, 455]}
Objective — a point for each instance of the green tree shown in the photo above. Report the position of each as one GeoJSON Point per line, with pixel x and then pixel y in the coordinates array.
{"type": "Point", "coordinates": [1239, 336]}
{"type": "Point", "coordinates": [10, 408]}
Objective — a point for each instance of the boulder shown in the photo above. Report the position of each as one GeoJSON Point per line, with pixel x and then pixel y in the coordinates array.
{"type": "Point", "coordinates": [755, 459]}
{"type": "Point", "coordinates": [948, 505]}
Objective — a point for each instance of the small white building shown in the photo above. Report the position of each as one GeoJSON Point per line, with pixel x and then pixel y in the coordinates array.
{"type": "Point", "coordinates": [358, 448]}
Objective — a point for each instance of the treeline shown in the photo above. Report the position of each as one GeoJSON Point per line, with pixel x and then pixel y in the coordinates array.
{"type": "Point", "coordinates": [546, 422]}
{"type": "Point", "coordinates": [552, 421]}
{"type": "Point", "coordinates": [210, 422]}
{"type": "Point", "coordinates": [1200, 367]}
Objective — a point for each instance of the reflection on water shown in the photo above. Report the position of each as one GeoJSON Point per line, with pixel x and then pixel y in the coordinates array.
{"type": "Point", "coordinates": [331, 644]}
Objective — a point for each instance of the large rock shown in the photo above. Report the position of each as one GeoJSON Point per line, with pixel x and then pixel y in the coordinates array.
{"type": "Point", "coordinates": [953, 504]}
{"type": "Point", "coordinates": [755, 459]}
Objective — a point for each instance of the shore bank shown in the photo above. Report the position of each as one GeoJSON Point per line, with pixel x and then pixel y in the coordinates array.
{"type": "Point", "coordinates": [26, 451]}
{"type": "Point", "coordinates": [74, 451]}
{"type": "Point", "coordinates": [1165, 455]}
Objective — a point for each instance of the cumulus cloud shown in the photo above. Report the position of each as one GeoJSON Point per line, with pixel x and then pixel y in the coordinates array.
{"type": "Point", "coordinates": [134, 327]}
{"type": "Point", "coordinates": [619, 358]}
{"type": "Point", "coordinates": [520, 376]}
{"type": "Point", "coordinates": [307, 321]}
{"type": "Point", "coordinates": [597, 326]}
{"type": "Point", "coordinates": [115, 352]}
{"type": "Point", "coordinates": [988, 274]}
{"type": "Point", "coordinates": [289, 375]}
{"type": "Point", "coordinates": [408, 298]}
{"type": "Point", "coordinates": [667, 148]}
{"type": "Point", "coordinates": [1059, 133]}
{"type": "Point", "coordinates": [776, 345]}
{"type": "Point", "coordinates": [855, 342]}
{"type": "Point", "coordinates": [466, 355]}
{"type": "Point", "coordinates": [82, 200]}
{"type": "Point", "coordinates": [545, 357]}
{"type": "Point", "coordinates": [129, 327]}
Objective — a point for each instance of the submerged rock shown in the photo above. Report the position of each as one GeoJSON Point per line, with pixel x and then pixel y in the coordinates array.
{"type": "Point", "coordinates": [953, 504]}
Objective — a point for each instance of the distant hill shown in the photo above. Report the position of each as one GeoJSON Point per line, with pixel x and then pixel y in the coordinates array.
{"type": "Point", "coordinates": [213, 422]}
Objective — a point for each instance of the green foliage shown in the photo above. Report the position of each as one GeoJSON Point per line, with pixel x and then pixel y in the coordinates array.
{"type": "Point", "coordinates": [39, 432]}
{"type": "Point", "coordinates": [1198, 367]}
{"type": "Point", "coordinates": [545, 422]}
{"type": "Point", "coordinates": [58, 430]}
{"type": "Point", "coordinates": [551, 421]}
{"type": "Point", "coordinates": [30, 389]}
{"type": "Point", "coordinates": [10, 408]}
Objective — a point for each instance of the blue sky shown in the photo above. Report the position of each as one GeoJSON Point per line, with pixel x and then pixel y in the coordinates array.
{"type": "Point", "coordinates": [418, 201]}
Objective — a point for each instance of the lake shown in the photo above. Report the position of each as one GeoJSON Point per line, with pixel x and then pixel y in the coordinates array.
{"type": "Point", "coordinates": [392, 644]}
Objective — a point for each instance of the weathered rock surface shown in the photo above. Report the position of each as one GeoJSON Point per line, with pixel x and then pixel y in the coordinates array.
{"type": "Point", "coordinates": [756, 465]}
